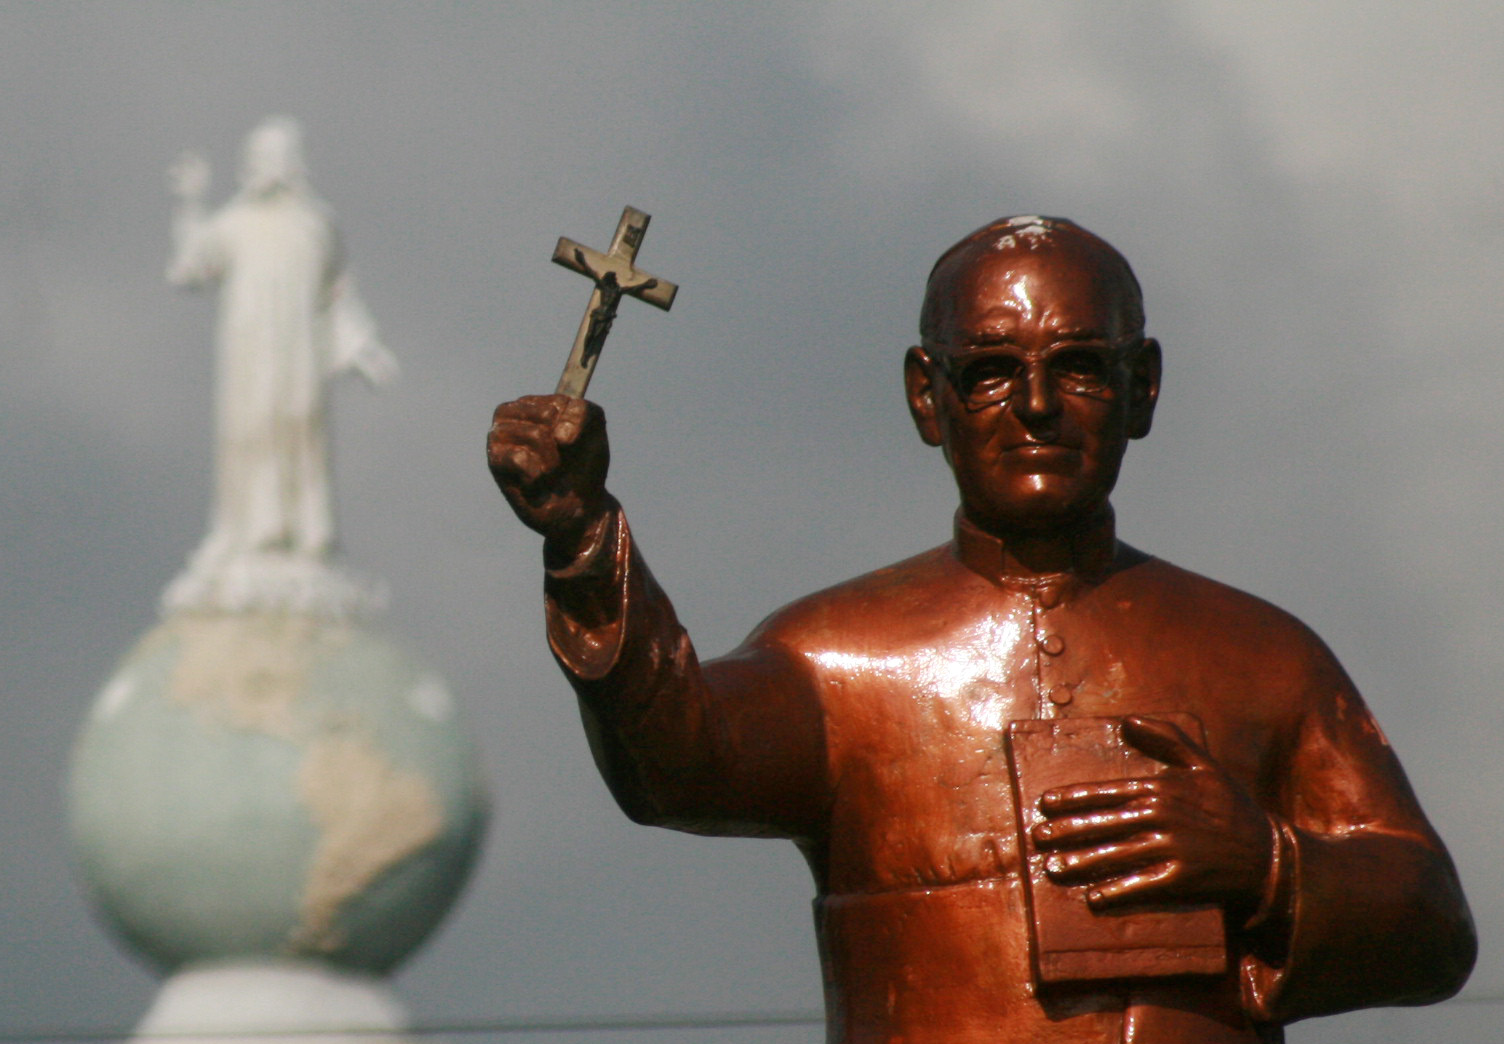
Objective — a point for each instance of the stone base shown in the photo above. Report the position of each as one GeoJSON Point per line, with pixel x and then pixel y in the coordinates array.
{"type": "Point", "coordinates": [230, 1002]}
{"type": "Point", "coordinates": [271, 581]}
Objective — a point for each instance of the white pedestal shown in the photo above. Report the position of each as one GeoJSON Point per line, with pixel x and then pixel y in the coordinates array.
{"type": "Point", "coordinates": [231, 1003]}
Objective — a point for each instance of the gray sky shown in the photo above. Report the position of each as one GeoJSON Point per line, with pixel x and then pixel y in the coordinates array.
{"type": "Point", "coordinates": [1310, 195]}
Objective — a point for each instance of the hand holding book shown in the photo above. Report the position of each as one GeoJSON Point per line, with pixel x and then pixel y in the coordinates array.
{"type": "Point", "coordinates": [1136, 841]}
{"type": "Point", "coordinates": [1187, 834]}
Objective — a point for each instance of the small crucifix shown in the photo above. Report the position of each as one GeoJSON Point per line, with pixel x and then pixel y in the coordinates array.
{"type": "Point", "coordinates": [613, 274]}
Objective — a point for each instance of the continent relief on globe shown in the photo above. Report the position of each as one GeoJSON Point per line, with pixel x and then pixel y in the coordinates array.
{"type": "Point", "coordinates": [274, 784]}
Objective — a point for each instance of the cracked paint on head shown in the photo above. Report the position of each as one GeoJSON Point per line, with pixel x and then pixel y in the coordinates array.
{"type": "Point", "coordinates": [1028, 226]}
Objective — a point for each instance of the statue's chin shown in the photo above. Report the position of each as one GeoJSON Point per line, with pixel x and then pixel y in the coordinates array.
{"type": "Point", "coordinates": [1041, 517]}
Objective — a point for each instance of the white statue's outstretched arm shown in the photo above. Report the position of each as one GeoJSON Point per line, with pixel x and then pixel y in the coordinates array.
{"type": "Point", "coordinates": [356, 342]}
{"type": "Point", "coordinates": [195, 259]}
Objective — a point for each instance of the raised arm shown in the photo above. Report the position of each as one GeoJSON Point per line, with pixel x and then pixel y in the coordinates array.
{"type": "Point", "coordinates": [195, 256]}
{"type": "Point", "coordinates": [733, 747]}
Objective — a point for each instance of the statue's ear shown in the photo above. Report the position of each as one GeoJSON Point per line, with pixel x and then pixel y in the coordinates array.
{"type": "Point", "coordinates": [1143, 388]}
{"type": "Point", "coordinates": [919, 385]}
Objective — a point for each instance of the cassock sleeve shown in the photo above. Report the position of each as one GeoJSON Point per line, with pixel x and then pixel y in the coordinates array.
{"type": "Point", "coordinates": [735, 746]}
{"type": "Point", "coordinates": [1363, 905]}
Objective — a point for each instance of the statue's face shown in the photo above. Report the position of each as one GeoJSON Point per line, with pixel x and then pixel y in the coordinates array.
{"type": "Point", "coordinates": [271, 158]}
{"type": "Point", "coordinates": [1033, 379]}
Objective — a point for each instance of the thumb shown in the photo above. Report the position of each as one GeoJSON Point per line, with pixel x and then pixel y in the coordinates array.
{"type": "Point", "coordinates": [1164, 741]}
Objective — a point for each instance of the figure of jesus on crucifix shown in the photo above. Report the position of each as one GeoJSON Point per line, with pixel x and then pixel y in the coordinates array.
{"type": "Point", "coordinates": [614, 275]}
{"type": "Point", "coordinates": [1052, 789]}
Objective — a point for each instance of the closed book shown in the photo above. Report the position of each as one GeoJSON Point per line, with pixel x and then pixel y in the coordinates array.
{"type": "Point", "coordinates": [1070, 942]}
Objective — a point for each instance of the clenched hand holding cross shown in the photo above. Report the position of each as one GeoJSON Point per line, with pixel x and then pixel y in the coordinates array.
{"type": "Point", "coordinates": [549, 452]}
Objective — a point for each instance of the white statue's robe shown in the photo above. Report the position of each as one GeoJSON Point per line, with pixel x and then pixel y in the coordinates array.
{"type": "Point", "coordinates": [288, 320]}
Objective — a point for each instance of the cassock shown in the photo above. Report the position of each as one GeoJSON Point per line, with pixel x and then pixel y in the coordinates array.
{"type": "Point", "coordinates": [865, 723]}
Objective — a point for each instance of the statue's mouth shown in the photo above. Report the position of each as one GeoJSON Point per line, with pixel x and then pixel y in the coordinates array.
{"type": "Point", "coordinates": [1041, 450]}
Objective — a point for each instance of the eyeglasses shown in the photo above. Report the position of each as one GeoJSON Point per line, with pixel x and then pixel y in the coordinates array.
{"type": "Point", "coordinates": [987, 377]}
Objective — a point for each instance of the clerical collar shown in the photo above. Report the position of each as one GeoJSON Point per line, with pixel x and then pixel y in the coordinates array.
{"type": "Point", "coordinates": [1086, 554]}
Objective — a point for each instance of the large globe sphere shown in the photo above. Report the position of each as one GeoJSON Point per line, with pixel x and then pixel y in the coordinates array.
{"type": "Point", "coordinates": [271, 784]}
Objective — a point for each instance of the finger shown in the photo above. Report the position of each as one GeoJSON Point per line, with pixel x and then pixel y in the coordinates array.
{"type": "Point", "coordinates": [507, 426]}
{"type": "Point", "coordinates": [538, 409]}
{"type": "Point", "coordinates": [1164, 741]}
{"type": "Point", "coordinates": [521, 425]}
{"type": "Point", "coordinates": [522, 463]}
{"type": "Point", "coordinates": [1151, 882]}
{"type": "Point", "coordinates": [570, 420]}
{"type": "Point", "coordinates": [521, 454]}
{"type": "Point", "coordinates": [1074, 831]}
{"type": "Point", "coordinates": [507, 437]}
{"type": "Point", "coordinates": [1086, 796]}
{"type": "Point", "coordinates": [576, 416]}
{"type": "Point", "coordinates": [1106, 862]}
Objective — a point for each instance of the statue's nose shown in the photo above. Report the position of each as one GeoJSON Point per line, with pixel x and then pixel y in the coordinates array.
{"type": "Point", "coordinates": [1036, 399]}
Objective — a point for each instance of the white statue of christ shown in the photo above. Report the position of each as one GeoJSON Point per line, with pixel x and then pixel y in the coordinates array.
{"type": "Point", "coordinates": [289, 321]}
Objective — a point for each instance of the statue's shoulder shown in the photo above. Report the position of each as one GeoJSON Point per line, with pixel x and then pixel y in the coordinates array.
{"type": "Point", "coordinates": [926, 591]}
{"type": "Point", "coordinates": [1172, 600]}
{"type": "Point", "coordinates": [1190, 592]}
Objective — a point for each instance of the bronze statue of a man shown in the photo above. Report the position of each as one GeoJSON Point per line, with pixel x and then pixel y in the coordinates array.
{"type": "Point", "coordinates": [868, 723]}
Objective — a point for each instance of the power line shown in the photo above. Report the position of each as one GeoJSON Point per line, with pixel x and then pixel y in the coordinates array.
{"type": "Point", "coordinates": [546, 1024]}
{"type": "Point", "coordinates": [725, 1020]}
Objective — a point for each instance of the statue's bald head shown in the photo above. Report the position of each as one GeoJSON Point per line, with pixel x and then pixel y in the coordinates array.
{"type": "Point", "coordinates": [1034, 373]}
{"type": "Point", "coordinates": [1036, 253]}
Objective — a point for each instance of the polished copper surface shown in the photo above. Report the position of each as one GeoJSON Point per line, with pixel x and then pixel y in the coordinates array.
{"type": "Point", "coordinates": [867, 722]}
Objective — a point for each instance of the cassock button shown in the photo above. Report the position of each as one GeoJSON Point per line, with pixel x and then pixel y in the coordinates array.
{"type": "Point", "coordinates": [1048, 595]}
{"type": "Point", "coordinates": [1060, 695]}
{"type": "Point", "coordinates": [1052, 644]}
